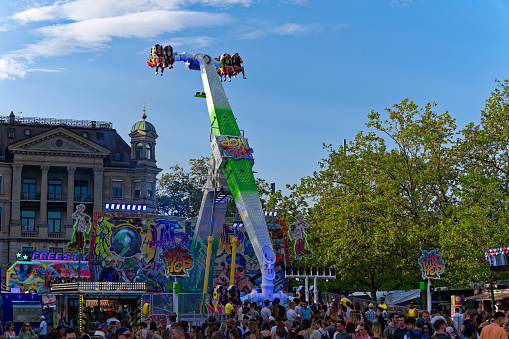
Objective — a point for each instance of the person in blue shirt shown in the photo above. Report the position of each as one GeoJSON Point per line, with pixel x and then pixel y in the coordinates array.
{"type": "Point", "coordinates": [304, 310]}
{"type": "Point", "coordinates": [414, 328]}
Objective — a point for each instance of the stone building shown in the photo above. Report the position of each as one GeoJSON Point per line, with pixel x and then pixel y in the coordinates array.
{"type": "Point", "coordinates": [48, 166]}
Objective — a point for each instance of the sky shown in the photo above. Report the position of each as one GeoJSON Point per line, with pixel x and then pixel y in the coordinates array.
{"type": "Point", "coordinates": [315, 68]}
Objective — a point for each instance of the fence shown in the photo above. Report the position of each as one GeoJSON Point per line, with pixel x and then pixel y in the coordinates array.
{"type": "Point", "coordinates": [330, 297]}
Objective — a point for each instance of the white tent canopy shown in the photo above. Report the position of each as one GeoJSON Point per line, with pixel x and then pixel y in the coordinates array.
{"type": "Point", "coordinates": [393, 297]}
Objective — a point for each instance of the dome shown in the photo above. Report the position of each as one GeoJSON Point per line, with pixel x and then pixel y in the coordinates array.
{"type": "Point", "coordinates": [143, 125]}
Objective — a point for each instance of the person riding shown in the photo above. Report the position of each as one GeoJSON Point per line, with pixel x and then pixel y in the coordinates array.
{"type": "Point", "coordinates": [168, 54]}
{"type": "Point", "coordinates": [237, 65]}
{"type": "Point", "coordinates": [226, 66]}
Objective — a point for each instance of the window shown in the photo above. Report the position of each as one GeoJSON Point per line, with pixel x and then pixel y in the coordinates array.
{"type": "Point", "coordinates": [0, 184]}
{"type": "Point", "coordinates": [150, 189]}
{"type": "Point", "coordinates": [116, 188]}
{"type": "Point", "coordinates": [116, 156]}
{"type": "Point", "coordinates": [28, 188]}
{"type": "Point", "coordinates": [27, 132]}
{"type": "Point", "coordinates": [85, 134]}
{"type": "Point", "coordinates": [55, 222]}
{"type": "Point", "coordinates": [11, 132]}
{"type": "Point", "coordinates": [100, 135]}
{"type": "Point", "coordinates": [54, 189]}
{"type": "Point", "coordinates": [28, 251]}
{"type": "Point", "coordinates": [148, 151]}
{"type": "Point", "coordinates": [56, 250]}
{"type": "Point", "coordinates": [137, 189]}
{"type": "Point", "coordinates": [80, 190]}
{"type": "Point", "coordinates": [138, 150]}
{"type": "Point", "coordinates": [28, 221]}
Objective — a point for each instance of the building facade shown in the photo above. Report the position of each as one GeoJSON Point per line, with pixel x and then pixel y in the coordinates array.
{"type": "Point", "coordinates": [49, 166]}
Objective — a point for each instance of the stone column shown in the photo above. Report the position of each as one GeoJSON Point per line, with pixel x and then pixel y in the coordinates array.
{"type": "Point", "coordinates": [70, 194]}
{"type": "Point", "coordinates": [43, 218]}
{"type": "Point", "coordinates": [98, 189]}
{"type": "Point", "coordinates": [16, 194]}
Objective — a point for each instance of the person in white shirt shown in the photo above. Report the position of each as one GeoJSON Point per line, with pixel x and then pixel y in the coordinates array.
{"type": "Point", "coordinates": [291, 314]}
{"type": "Point", "coordinates": [43, 328]}
{"type": "Point", "coordinates": [265, 312]}
{"type": "Point", "coordinates": [457, 318]}
{"type": "Point", "coordinates": [113, 318]}
{"type": "Point", "coordinates": [435, 316]}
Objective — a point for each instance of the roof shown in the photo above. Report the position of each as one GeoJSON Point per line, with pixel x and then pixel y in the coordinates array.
{"type": "Point", "coordinates": [498, 294]}
{"type": "Point", "coordinates": [143, 125]}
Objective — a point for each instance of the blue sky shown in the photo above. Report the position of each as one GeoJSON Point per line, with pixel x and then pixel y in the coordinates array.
{"type": "Point", "coordinates": [315, 69]}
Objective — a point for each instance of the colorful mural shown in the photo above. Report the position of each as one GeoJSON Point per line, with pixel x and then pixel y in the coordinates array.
{"type": "Point", "coordinates": [82, 226]}
{"type": "Point", "coordinates": [247, 269]}
{"type": "Point", "coordinates": [39, 275]}
{"type": "Point", "coordinates": [298, 235]}
{"type": "Point", "coordinates": [141, 248]}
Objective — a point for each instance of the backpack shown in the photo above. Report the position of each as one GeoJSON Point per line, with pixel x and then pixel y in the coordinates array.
{"type": "Point", "coordinates": [416, 336]}
{"type": "Point", "coordinates": [324, 334]}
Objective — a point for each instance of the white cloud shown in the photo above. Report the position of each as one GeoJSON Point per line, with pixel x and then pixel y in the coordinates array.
{"type": "Point", "coordinates": [95, 23]}
{"type": "Point", "coordinates": [340, 26]}
{"type": "Point", "coordinates": [264, 29]}
{"type": "Point", "coordinates": [401, 3]}
{"type": "Point", "coordinates": [296, 29]}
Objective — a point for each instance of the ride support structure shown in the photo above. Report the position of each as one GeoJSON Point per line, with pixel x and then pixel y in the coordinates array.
{"type": "Point", "coordinates": [237, 173]}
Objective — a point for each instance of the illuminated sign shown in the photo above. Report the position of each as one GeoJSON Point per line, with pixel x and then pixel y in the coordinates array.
{"type": "Point", "coordinates": [55, 256]}
{"type": "Point", "coordinates": [125, 207]}
{"type": "Point", "coordinates": [235, 147]}
{"type": "Point", "coordinates": [432, 264]}
{"type": "Point", "coordinates": [177, 261]}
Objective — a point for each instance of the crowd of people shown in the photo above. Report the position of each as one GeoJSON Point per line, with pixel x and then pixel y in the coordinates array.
{"type": "Point", "coordinates": [296, 320]}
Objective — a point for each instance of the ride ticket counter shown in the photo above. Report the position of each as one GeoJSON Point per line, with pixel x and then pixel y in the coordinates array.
{"type": "Point", "coordinates": [78, 303]}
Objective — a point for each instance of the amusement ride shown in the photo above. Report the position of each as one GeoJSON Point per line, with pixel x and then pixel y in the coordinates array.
{"type": "Point", "coordinates": [231, 174]}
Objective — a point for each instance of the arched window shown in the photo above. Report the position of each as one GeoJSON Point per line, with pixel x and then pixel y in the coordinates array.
{"type": "Point", "coordinates": [148, 151]}
{"type": "Point", "coordinates": [138, 150]}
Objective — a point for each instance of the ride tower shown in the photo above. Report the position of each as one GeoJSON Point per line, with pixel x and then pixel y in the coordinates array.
{"type": "Point", "coordinates": [232, 166]}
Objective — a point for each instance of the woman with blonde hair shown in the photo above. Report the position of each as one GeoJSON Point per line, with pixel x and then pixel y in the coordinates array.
{"type": "Point", "coordinates": [254, 330]}
{"type": "Point", "coordinates": [26, 332]}
{"type": "Point", "coordinates": [377, 331]}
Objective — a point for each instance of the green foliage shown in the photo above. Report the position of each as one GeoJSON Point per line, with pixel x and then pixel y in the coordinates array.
{"type": "Point", "coordinates": [179, 192]}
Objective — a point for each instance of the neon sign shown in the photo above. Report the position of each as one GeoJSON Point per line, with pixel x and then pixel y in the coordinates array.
{"type": "Point", "coordinates": [55, 256]}
{"type": "Point", "coordinates": [432, 264]}
{"type": "Point", "coordinates": [235, 147]}
{"type": "Point", "coordinates": [177, 261]}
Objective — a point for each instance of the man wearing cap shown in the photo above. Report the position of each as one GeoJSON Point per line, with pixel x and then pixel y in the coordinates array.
{"type": "Point", "coordinates": [43, 327]}
{"type": "Point", "coordinates": [413, 311]}
{"type": "Point", "coordinates": [98, 335]}
{"type": "Point", "coordinates": [61, 329]}
{"type": "Point", "coordinates": [495, 330]}
{"type": "Point", "coordinates": [122, 333]}
{"type": "Point", "coordinates": [371, 313]}
{"type": "Point", "coordinates": [104, 327]}
{"type": "Point", "coordinates": [414, 328]}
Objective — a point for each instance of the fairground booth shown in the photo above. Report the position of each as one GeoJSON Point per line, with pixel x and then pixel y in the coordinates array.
{"type": "Point", "coordinates": [123, 260]}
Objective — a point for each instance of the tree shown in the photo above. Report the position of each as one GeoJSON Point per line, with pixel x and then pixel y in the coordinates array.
{"type": "Point", "coordinates": [375, 207]}
{"type": "Point", "coordinates": [482, 195]}
{"type": "Point", "coordinates": [179, 192]}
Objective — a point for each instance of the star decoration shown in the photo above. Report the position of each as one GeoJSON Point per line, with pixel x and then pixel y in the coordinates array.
{"type": "Point", "coordinates": [25, 257]}
{"type": "Point", "coordinates": [18, 255]}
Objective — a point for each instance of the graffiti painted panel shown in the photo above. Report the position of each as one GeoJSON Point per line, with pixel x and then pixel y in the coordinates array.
{"type": "Point", "coordinates": [297, 234]}
{"type": "Point", "coordinates": [432, 264]}
{"type": "Point", "coordinates": [39, 275]}
{"type": "Point", "coordinates": [140, 248]}
{"type": "Point", "coordinates": [247, 269]}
